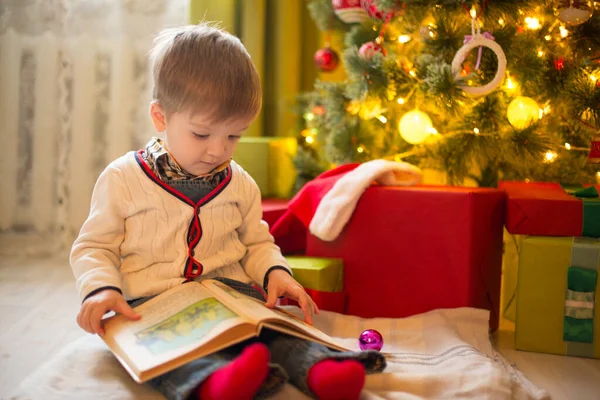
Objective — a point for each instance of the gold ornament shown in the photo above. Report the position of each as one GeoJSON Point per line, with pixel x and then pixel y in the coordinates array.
{"type": "Point", "coordinates": [522, 112]}
{"type": "Point", "coordinates": [415, 126]}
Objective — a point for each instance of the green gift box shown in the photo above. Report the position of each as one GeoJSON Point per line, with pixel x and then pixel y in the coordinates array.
{"type": "Point", "coordinates": [557, 288]}
{"type": "Point", "coordinates": [317, 273]}
{"type": "Point", "coordinates": [269, 160]}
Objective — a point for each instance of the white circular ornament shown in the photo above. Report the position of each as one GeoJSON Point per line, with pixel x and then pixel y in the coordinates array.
{"type": "Point", "coordinates": [480, 40]}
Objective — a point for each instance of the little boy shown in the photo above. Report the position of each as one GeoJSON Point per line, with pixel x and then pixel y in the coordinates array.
{"type": "Point", "coordinates": [181, 209]}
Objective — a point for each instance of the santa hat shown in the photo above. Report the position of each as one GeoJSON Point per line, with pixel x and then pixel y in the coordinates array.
{"type": "Point", "coordinates": [325, 204]}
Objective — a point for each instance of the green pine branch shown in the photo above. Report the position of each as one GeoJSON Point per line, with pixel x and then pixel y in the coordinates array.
{"type": "Point", "coordinates": [476, 140]}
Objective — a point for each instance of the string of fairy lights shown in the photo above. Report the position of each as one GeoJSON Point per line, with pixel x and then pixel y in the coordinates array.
{"type": "Point", "coordinates": [416, 127]}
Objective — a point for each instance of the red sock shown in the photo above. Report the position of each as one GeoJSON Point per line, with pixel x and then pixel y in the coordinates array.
{"type": "Point", "coordinates": [240, 379]}
{"type": "Point", "coordinates": [333, 380]}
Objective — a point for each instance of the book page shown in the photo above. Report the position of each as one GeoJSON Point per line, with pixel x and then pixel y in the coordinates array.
{"type": "Point", "coordinates": [240, 303]}
{"type": "Point", "coordinates": [173, 324]}
{"type": "Point", "coordinates": [276, 319]}
{"type": "Point", "coordinates": [287, 322]}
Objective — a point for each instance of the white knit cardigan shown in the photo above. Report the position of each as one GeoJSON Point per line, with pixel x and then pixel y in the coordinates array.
{"type": "Point", "coordinates": [143, 237]}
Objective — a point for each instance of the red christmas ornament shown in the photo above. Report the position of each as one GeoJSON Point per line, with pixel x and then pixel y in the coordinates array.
{"type": "Point", "coordinates": [594, 157]}
{"type": "Point", "coordinates": [559, 63]}
{"type": "Point", "coordinates": [349, 11]}
{"type": "Point", "coordinates": [370, 8]}
{"type": "Point", "coordinates": [318, 110]}
{"type": "Point", "coordinates": [369, 49]}
{"type": "Point", "coordinates": [326, 59]}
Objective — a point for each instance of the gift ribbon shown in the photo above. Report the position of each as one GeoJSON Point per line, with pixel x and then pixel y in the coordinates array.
{"type": "Point", "coordinates": [469, 38]}
{"type": "Point", "coordinates": [580, 297]}
{"type": "Point", "coordinates": [591, 209]}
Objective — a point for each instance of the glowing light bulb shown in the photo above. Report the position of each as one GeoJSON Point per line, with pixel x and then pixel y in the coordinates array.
{"type": "Point", "coordinates": [309, 116]}
{"type": "Point", "coordinates": [540, 53]}
{"type": "Point", "coordinates": [533, 23]}
{"type": "Point", "coordinates": [412, 73]}
{"type": "Point", "coordinates": [550, 156]}
{"type": "Point", "coordinates": [568, 146]}
{"type": "Point", "coordinates": [473, 12]}
{"type": "Point", "coordinates": [510, 84]}
{"type": "Point", "coordinates": [404, 38]}
{"type": "Point", "coordinates": [476, 130]}
{"type": "Point", "coordinates": [360, 149]}
{"type": "Point", "coordinates": [563, 31]}
{"type": "Point", "coordinates": [548, 37]}
{"type": "Point", "coordinates": [310, 139]}
{"type": "Point", "coordinates": [501, 22]}
{"type": "Point", "coordinates": [382, 119]}
{"type": "Point", "coordinates": [401, 100]}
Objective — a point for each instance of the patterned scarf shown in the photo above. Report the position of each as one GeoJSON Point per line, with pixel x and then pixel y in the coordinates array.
{"type": "Point", "coordinates": [167, 169]}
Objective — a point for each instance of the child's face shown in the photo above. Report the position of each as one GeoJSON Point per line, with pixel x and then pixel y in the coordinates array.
{"type": "Point", "coordinates": [197, 145]}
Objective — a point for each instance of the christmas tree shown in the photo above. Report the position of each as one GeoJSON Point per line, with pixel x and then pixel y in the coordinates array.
{"type": "Point", "coordinates": [483, 90]}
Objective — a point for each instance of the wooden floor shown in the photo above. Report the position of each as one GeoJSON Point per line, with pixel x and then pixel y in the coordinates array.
{"type": "Point", "coordinates": [38, 305]}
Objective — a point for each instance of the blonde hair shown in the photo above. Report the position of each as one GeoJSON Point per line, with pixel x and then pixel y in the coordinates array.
{"type": "Point", "coordinates": [204, 69]}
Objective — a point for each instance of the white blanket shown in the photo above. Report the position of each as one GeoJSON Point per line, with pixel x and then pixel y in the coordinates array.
{"type": "Point", "coordinates": [443, 354]}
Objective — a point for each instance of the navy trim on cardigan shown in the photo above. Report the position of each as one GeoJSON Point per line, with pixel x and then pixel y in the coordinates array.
{"type": "Point", "coordinates": [100, 289]}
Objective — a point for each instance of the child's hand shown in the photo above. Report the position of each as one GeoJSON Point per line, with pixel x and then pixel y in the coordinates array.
{"type": "Point", "coordinates": [282, 284]}
{"type": "Point", "coordinates": [94, 307]}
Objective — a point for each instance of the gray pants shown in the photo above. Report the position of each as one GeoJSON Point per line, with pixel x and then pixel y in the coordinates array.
{"type": "Point", "coordinates": [291, 359]}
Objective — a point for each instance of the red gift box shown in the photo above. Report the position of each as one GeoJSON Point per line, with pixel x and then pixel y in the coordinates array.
{"type": "Point", "coordinates": [273, 209]}
{"type": "Point", "coordinates": [409, 250]}
{"type": "Point", "coordinates": [294, 241]}
{"type": "Point", "coordinates": [543, 209]}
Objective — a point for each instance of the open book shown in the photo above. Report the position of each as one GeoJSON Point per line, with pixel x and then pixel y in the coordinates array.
{"type": "Point", "coordinates": [193, 320]}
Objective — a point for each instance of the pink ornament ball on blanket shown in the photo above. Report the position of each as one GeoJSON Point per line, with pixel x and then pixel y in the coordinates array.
{"type": "Point", "coordinates": [370, 340]}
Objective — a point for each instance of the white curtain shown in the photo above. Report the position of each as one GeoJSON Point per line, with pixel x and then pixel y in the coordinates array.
{"type": "Point", "coordinates": [74, 94]}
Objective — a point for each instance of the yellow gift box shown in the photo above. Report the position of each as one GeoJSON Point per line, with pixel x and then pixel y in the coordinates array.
{"type": "Point", "coordinates": [317, 273]}
{"type": "Point", "coordinates": [269, 160]}
{"type": "Point", "coordinates": [510, 269]}
{"type": "Point", "coordinates": [544, 290]}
